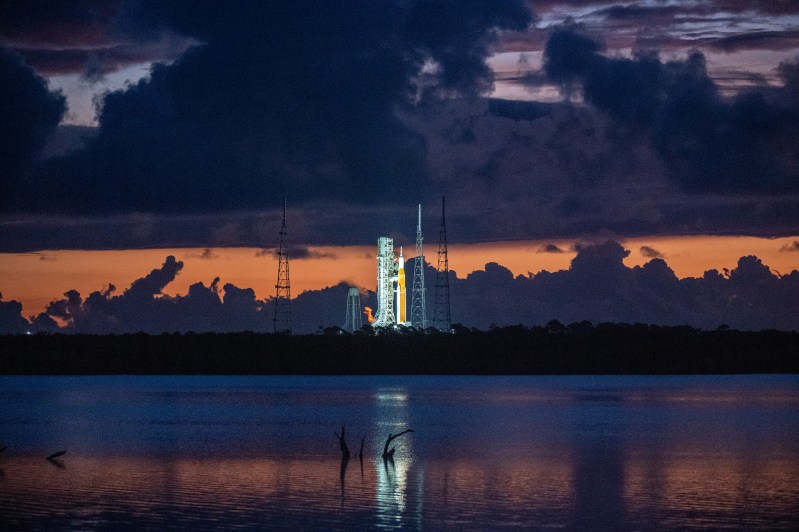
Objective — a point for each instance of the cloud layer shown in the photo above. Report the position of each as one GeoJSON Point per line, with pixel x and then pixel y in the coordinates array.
{"type": "Point", "coordinates": [30, 113]}
{"type": "Point", "coordinates": [597, 287]}
{"type": "Point", "coordinates": [92, 38]}
{"type": "Point", "coordinates": [358, 112]}
{"type": "Point", "coordinates": [709, 144]}
{"type": "Point", "coordinates": [297, 98]}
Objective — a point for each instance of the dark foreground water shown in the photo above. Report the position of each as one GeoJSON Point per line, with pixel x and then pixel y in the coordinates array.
{"type": "Point", "coordinates": [487, 452]}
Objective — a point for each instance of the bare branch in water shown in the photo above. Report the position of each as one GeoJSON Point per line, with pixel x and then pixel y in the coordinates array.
{"type": "Point", "coordinates": [390, 454]}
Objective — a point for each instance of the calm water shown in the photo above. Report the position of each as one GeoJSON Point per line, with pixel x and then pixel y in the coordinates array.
{"type": "Point", "coordinates": [487, 452]}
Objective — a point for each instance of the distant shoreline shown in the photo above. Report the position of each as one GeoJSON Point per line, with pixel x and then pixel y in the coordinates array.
{"type": "Point", "coordinates": [582, 349]}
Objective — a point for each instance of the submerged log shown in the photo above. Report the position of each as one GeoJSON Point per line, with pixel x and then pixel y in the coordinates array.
{"type": "Point", "coordinates": [345, 451]}
{"type": "Point", "coordinates": [389, 455]}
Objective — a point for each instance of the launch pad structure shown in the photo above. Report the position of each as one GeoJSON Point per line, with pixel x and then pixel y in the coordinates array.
{"type": "Point", "coordinates": [282, 320]}
{"type": "Point", "coordinates": [418, 305]}
{"type": "Point", "coordinates": [387, 275]}
{"type": "Point", "coordinates": [391, 290]}
{"type": "Point", "coordinates": [391, 293]}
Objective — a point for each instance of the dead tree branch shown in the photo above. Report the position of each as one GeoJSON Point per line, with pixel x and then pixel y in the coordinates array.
{"type": "Point", "coordinates": [389, 455]}
{"type": "Point", "coordinates": [56, 455]}
{"type": "Point", "coordinates": [345, 451]}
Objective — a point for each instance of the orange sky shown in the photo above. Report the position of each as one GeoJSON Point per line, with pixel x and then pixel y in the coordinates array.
{"type": "Point", "coordinates": [37, 278]}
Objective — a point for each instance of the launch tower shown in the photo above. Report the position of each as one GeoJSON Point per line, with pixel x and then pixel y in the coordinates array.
{"type": "Point", "coordinates": [418, 312]}
{"type": "Point", "coordinates": [386, 275]}
{"type": "Point", "coordinates": [441, 316]}
{"type": "Point", "coordinates": [283, 296]}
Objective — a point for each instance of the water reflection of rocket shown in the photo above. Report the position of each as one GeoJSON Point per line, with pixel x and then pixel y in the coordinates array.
{"type": "Point", "coordinates": [401, 289]}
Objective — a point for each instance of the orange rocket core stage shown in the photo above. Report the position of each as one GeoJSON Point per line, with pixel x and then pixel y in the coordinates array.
{"type": "Point", "coordinates": [401, 318]}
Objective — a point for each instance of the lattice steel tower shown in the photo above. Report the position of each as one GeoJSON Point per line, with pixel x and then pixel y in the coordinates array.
{"type": "Point", "coordinates": [441, 315]}
{"type": "Point", "coordinates": [418, 311]}
{"type": "Point", "coordinates": [283, 286]}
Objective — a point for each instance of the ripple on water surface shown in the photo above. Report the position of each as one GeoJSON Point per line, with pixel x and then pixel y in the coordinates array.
{"type": "Point", "coordinates": [234, 452]}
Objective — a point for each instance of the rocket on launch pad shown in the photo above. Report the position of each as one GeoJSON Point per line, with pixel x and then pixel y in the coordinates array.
{"type": "Point", "coordinates": [392, 301]}
{"type": "Point", "coordinates": [391, 298]}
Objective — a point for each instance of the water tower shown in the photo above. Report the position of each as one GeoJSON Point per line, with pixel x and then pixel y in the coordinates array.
{"type": "Point", "coordinates": [352, 322]}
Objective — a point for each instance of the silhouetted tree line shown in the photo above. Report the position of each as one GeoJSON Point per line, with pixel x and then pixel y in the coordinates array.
{"type": "Point", "coordinates": [579, 348]}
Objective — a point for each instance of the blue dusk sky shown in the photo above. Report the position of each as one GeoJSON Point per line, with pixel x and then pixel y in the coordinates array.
{"type": "Point", "coordinates": [142, 124]}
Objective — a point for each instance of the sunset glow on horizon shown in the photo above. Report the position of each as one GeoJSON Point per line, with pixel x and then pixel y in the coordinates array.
{"type": "Point", "coordinates": [37, 278]}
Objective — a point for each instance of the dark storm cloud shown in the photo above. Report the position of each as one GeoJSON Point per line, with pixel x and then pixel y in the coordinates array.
{"type": "Point", "coordinates": [639, 12]}
{"type": "Point", "coordinates": [574, 172]}
{"type": "Point", "coordinates": [206, 254]}
{"type": "Point", "coordinates": [769, 7]}
{"type": "Point", "coordinates": [87, 37]}
{"type": "Point", "coordinates": [295, 252]}
{"type": "Point", "coordinates": [153, 283]}
{"type": "Point", "coordinates": [11, 320]}
{"type": "Point", "coordinates": [731, 80]}
{"type": "Point", "coordinates": [34, 23]}
{"type": "Point", "coordinates": [670, 26]}
{"type": "Point", "coordinates": [691, 12]}
{"type": "Point", "coordinates": [709, 144]}
{"type": "Point", "coordinates": [597, 287]}
{"type": "Point", "coordinates": [550, 248]}
{"type": "Point", "coordinates": [309, 225]}
{"type": "Point", "coordinates": [758, 40]}
{"type": "Point", "coordinates": [518, 109]}
{"type": "Point", "coordinates": [143, 307]}
{"type": "Point", "coordinates": [651, 253]}
{"type": "Point", "coordinates": [678, 25]}
{"type": "Point", "coordinates": [794, 246]}
{"type": "Point", "coordinates": [351, 111]}
{"type": "Point", "coordinates": [93, 64]}
{"type": "Point", "coordinates": [29, 113]}
{"type": "Point", "coordinates": [297, 98]}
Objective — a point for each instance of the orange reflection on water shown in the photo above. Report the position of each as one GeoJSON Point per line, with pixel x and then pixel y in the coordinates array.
{"type": "Point", "coordinates": [139, 488]}
{"type": "Point", "coordinates": [461, 490]}
{"type": "Point", "coordinates": [674, 488]}
{"type": "Point", "coordinates": [717, 486]}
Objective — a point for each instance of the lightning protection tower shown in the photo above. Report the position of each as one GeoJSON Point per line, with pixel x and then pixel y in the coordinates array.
{"type": "Point", "coordinates": [441, 315]}
{"type": "Point", "coordinates": [352, 321]}
{"type": "Point", "coordinates": [418, 311]}
{"type": "Point", "coordinates": [282, 320]}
